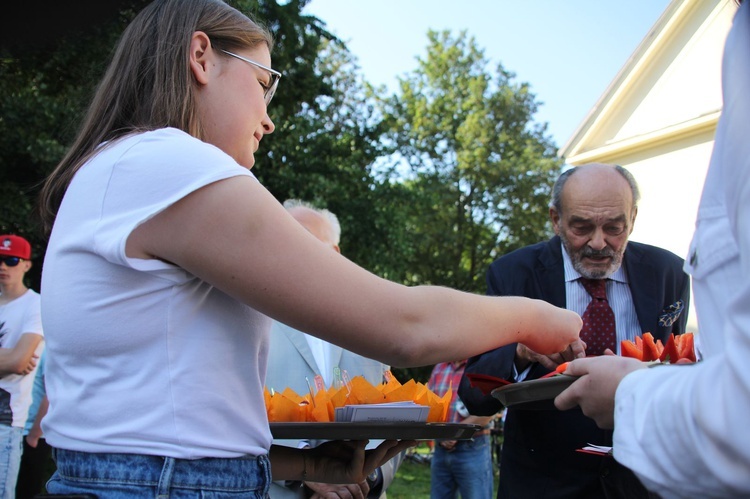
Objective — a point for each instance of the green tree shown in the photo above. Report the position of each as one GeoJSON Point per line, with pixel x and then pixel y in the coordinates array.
{"type": "Point", "coordinates": [325, 154]}
{"type": "Point", "coordinates": [478, 167]}
{"type": "Point", "coordinates": [328, 136]}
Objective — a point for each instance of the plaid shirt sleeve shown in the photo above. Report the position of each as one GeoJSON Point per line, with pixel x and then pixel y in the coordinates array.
{"type": "Point", "coordinates": [445, 376]}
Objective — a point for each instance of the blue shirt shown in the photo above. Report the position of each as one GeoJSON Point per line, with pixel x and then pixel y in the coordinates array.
{"type": "Point", "coordinates": [37, 393]}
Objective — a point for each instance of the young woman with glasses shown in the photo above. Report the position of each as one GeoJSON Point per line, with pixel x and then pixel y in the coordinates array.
{"type": "Point", "coordinates": [167, 260]}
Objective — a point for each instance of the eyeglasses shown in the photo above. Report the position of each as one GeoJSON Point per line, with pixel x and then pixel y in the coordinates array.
{"type": "Point", "coordinates": [275, 76]}
{"type": "Point", "coordinates": [10, 261]}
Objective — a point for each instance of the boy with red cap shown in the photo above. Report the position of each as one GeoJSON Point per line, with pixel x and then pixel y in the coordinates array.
{"type": "Point", "coordinates": [20, 346]}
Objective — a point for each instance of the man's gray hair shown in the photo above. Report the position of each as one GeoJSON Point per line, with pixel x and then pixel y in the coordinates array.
{"type": "Point", "coordinates": [556, 201]}
{"type": "Point", "coordinates": [332, 219]}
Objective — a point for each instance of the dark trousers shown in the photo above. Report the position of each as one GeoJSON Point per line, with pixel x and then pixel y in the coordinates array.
{"type": "Point", "coordinates": [36, 467]}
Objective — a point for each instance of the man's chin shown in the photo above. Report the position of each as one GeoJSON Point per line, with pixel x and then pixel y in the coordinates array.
{"type": "Point", "coordinates": [596, 272]}
{"type": "Point", "coordinates": [595, 275]}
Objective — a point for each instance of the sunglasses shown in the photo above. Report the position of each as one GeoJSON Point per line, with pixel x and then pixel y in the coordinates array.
{"type": "Point", "coordinates": [273, 77]}
{"type": "Point", "coordinates": [10, 261]}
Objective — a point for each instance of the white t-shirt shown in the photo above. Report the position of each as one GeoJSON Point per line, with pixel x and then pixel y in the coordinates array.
{"type": "Point", "coordinates": [144, 357]}
{"type": "Point", "coordinates": [19, 317]}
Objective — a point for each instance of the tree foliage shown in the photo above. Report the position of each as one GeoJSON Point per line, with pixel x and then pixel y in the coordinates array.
{"type": "Point", "coordinates": [324, 153]}
{"type": "Point", "coordinates": [45, 84]}
{"type": "Point", "coordinates": [478, 167]}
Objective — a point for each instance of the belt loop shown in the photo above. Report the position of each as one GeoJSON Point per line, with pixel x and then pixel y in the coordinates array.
{"type": "Point", "coordinates": [165, 479]}
{"type": "Point", "coordinates": [265, 466]}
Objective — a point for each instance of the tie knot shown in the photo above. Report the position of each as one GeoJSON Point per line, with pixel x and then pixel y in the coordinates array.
{"type": "Point", "coordinates": [597, 288]}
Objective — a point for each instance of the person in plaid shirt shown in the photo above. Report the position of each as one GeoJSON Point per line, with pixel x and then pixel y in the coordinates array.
{"type": "Point", "coordinates": [463, 466]}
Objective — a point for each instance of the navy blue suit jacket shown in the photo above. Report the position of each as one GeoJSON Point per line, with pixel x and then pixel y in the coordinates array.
{"type": "Point", "coordinates": [538, 456]}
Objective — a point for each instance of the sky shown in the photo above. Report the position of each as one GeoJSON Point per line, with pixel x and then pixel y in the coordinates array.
{"type": "Point", "coordinates": [568, 51]}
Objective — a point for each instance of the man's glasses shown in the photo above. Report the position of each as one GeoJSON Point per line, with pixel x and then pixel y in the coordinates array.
{"type": "Point", "coordinates": [10, 261]}
{"type": "Point", "coordinates": [275, 76]}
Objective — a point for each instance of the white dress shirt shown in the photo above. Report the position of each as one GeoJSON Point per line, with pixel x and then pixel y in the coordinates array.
{"type": "Point", "coordinates": [321, 350]}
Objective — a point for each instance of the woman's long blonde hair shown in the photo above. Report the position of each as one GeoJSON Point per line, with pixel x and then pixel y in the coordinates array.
{"type": "Point", "coordinates": [148, 84]}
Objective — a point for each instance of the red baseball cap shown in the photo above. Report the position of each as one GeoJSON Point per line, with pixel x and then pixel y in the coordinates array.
{"type": "Point", "coordinates": [11, 245]}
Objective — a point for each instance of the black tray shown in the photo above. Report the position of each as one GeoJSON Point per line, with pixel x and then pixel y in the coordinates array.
{"type": "Point", "coordinates": [366, 431]}
{"type": "Point", "coordinates": [532, 393]}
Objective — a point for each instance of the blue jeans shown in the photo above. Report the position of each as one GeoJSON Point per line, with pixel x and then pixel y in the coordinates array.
{"type": "Point", "coordinates": [466, 469]}
{"type": "Point", "coordinates": [120, 476]}
{"type": "Point", "coordinates": [11, 447]}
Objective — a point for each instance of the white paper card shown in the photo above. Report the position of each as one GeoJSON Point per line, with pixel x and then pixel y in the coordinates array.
{"type": "Point", "coordinates": [399, 412]}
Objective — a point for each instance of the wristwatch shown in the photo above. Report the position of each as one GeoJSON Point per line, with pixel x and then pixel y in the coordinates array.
{"type": "Point", "coordinates": [375, 482]}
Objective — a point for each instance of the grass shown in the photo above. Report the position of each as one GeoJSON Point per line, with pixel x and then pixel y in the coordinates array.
{"type": "Point", "coordinates": [412, 481]}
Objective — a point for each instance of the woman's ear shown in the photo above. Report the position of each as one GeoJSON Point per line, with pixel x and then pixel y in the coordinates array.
{"type": "Point", "coordinates": [200, 60]}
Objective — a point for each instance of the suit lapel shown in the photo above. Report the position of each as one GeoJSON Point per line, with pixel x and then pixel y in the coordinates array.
{"type": "Point", "coordinates": [644, 286]}
{"type": "Point", "coordinates": [550, 274]}
{"type": "Point", "coordinates": [299, 341]}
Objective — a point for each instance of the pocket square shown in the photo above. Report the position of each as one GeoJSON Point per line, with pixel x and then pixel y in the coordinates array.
{"type": "Point", "coordinates": [671, 313]}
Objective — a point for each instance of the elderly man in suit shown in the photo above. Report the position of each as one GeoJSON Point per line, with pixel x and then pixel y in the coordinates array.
{"type": "Point", "coordinates": [621, 289]}
{"type": "Point", "coordinates": [295, 358]}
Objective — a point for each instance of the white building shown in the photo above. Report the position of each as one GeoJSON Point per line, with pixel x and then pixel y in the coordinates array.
{"type": "Point", "coordinates": [658, 117]}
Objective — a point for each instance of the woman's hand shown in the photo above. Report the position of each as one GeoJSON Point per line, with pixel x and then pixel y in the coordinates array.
{"type": "Point", "coordinates": [553, 329]}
